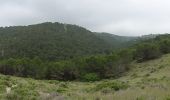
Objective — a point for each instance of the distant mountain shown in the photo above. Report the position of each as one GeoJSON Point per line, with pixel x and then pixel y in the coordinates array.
{"type": "Point", "coordinates": [149, 36]}
{"type": "Point", "coordinates": [117, 41]}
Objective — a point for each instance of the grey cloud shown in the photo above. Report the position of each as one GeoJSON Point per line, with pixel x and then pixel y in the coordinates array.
{"type": "Point", "coordinates": [122, 17]}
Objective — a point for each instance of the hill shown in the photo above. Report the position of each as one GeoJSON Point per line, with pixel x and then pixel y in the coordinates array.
{"type": "Point", "coordinates": [50, 41]}
{"type": "Point", "coordinates": [118, 41]}
{"type": "Point", "coordinates": [145, 81]}
{"type": "Point", "coordinates": [57, 41]}
{"type": "Point", "coordinates": [73, 52]}
{"type": "Point", "coordinates": [31, 51]}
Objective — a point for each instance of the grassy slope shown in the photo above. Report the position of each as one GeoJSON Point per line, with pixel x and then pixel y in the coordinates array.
{"type": "Point", "coordinates": [146, 81]}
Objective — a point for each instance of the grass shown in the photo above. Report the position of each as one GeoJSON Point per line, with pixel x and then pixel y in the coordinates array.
{"type": "Point", "coordinates": [145, 81]}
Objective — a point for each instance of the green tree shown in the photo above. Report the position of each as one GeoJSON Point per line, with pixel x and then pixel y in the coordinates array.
{"type": "Point", "coordinates": [147, 51]}
{"type": "Point", "coordinates": [165, 46]}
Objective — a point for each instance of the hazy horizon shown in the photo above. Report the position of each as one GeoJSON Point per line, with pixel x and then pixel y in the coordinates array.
{"type": "Point", "coordinates": [120, 17]}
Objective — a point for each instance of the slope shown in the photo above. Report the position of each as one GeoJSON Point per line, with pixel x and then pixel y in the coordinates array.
{"type": "Point", "coordinates": [117, 41]}
{"type": "Point", "coordinates": [145, 81]}
{"type": "Point", "coordinates": [50, 41]}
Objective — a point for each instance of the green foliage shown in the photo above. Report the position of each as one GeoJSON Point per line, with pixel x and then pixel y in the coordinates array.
{"type": "Point", "coordinates": [152, 48]}
{"type": "Point", "coordinates": [87, 69]}
{"type": "Point", "coordinates": [140, 98]}
{"type": "Point", "coordinates": [117, 41]}
{"type": "Point", "coordinates": [62, 87]}
{"type": "Point", "coordinates": [116, 85]}
{"type": "Point", "coordinates": [147, 51]}
{"type": "Point", "coordinates": [50, 41]}
{"type": "Point", "coordinates": [165, 46]}
{"type": "Point", "coordinates": [90, 77]}
{"type": "Point", "coordinates": [167, 98]}
{"type": "Point", "coordinates": [58, 51]}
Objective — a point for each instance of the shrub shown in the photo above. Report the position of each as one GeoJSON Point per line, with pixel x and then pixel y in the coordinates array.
{"type": "Point", "coordinates": [134, 75]}
{"type": "Point", "coordinates": [90, 77]}
{"type": "Point", "coordinates": [165, 46]}
{"type": "Point", "coordinates": [116, 85]}
{"type": "Point", "coordinates": [146, 51]}
{"type": "Point", "coordinates": [167, 98]}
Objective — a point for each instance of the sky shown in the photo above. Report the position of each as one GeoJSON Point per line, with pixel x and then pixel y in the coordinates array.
{"type": "Point", "coordinates": [121, 17]}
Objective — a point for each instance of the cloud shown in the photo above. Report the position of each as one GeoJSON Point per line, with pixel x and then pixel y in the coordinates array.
{"type": "Point", "coordinates": [122, 17]}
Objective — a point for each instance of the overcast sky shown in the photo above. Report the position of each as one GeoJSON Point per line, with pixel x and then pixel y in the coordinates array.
{"type": "Point", "coordinates": [122, 17]}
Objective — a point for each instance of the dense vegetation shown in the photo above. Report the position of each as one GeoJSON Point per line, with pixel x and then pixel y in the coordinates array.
{"type": "Point", "coordinates": [144, 81]}
{"type": "Point", "coordinates": [86, 69]}
{"type": "Point", "coordinates": [43, 51]}
{"type": "Point", "coordinates": [152, 48]}
{"type": "Point", "coordinates": [50, 41]}
{"type": "Point", "coordinates": [90, 68]}
{"type": "Point", "coordinates": [119, 41]}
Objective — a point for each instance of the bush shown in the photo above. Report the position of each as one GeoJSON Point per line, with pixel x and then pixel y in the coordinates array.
{"type": "Point", "coordinates": [90, 77]}
{"type": "Point", "coordinates": [147, 51]}
{"type": "Point", "coordinates": [165, 46]}
{"type": "Point", "coordinates": [116, 85]}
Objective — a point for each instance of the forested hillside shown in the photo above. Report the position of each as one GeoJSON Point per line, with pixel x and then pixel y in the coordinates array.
{"type": "Point", "coordinates": [50, 41]}
{"type": "Point", "coordinates": [118, 41]}
{"type": "Point", "coordinates": [68, 52]}
{"type": "Point", "coordinates": [57, 41]}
